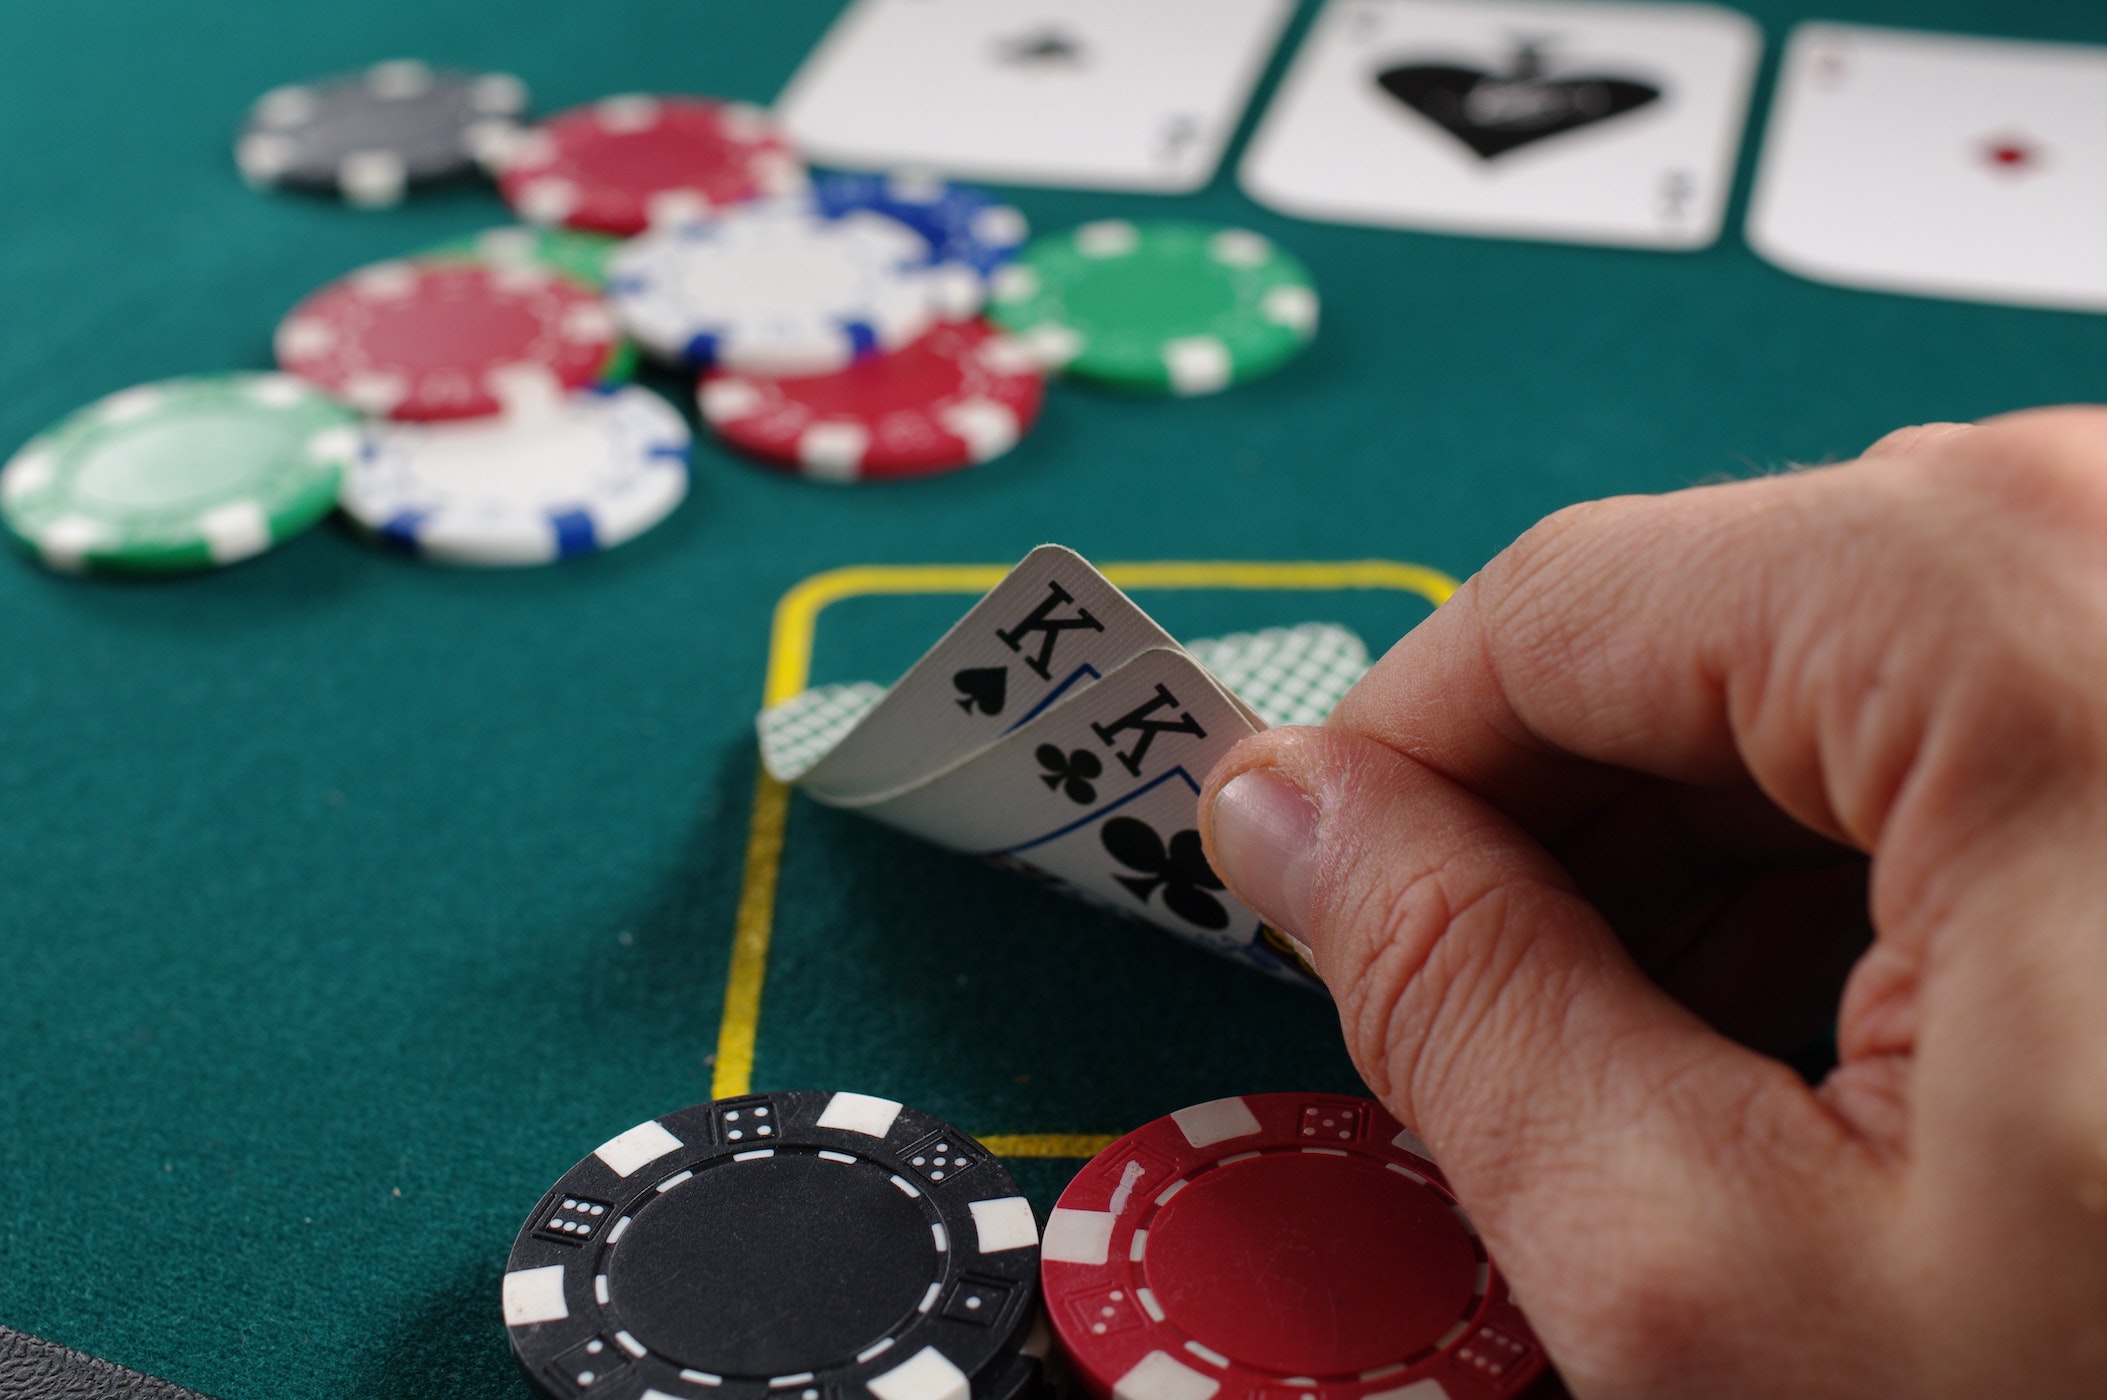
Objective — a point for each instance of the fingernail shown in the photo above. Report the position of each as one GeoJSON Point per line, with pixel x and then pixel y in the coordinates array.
{"type": "Point", "coordinates": [1265, 835]}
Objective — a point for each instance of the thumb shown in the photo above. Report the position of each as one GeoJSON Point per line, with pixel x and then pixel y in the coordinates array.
{"type": "Point", "coordinates": [1589, 1124]}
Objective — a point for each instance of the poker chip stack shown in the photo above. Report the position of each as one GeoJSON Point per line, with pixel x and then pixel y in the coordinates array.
{"type": "Point", "coordinates": [501, 431]}
{"type": "Point", "coordinates": [815, 1244]}
{"type": "Point", "coordinates": [845, 327]}
{"type": "Point", "coordinates": [834, 321]}
{"type": "Point", "coordinates": [1279, 1244]}
{"type": "Point", "coordinates": [802, 1244]}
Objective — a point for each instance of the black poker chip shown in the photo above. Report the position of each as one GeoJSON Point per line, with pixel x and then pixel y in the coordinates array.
{"type": "Point", "coordinates": [373, 136]}
{"type": "Point", "coordinates": [1034, 1372]}
{"type": "Point", "coordinates": [801, 1245]}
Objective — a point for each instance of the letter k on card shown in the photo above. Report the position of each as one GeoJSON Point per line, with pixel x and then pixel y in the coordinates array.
{"type": "Point", "coordinates": [1052, 627]}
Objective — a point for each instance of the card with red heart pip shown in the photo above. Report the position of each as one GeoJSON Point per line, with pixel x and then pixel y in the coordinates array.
{"type": "Point", "coordinates": [1584, 123]}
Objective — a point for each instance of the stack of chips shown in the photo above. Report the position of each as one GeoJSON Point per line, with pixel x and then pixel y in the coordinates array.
{"type": "Point", "coordinates": [471, 403]}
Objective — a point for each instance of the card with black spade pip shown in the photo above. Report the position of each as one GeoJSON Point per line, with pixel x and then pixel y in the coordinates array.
{"type": "Point", "coordinates": [1938, 164]}
{"type": "Point", "coordinates": [1051, 626]}
{"type": "Point", "coordinates": [1158, 717]}
{"type": "Point", "coordinates": [1586, 123]}
{"type": "Point", "coordinates": [1093, 94]}
{"type": "Point", "coordinates": [1085, 777]}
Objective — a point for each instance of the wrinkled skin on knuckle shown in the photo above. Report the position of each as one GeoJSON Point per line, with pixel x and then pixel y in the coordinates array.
{"type": "Point", "coordinates": [1523, 595]}
{"type": "Point", "coordinates": [1985, 690]}
{"type": "Point", "coordinates": [1431, 953]}
{"type": "Point", "coordinates": [1391, 919]}
{"type": "Point", "coordinates": [1658, 602]}
{"type": "Point", "coordinates": [1924, 624]}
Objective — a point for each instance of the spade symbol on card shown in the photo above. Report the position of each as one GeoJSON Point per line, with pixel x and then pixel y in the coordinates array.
{"type": "Point", "coordinates": [1070, 773]}
{"type": "Point", "coordinates": [1049, 48]}
{"type": "Point", "coordinates": [1494, 113]}
{"type": "Point", "coordinates": [1180, 868]}
{"type": "Point", "coordinates": [983, 688]}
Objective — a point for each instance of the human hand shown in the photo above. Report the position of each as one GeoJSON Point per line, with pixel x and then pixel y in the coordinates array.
{"type": "Point", "coordinates": [1612, 821]}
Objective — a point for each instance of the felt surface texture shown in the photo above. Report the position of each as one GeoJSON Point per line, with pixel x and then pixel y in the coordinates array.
{"type": "Point", "coordinates": [345, 901]}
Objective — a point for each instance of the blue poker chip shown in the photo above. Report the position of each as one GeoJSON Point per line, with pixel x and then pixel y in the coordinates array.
{"type": "Point", "coordinates": [530, 486]}
{"type": "Point", "coordinates": [962, 224]}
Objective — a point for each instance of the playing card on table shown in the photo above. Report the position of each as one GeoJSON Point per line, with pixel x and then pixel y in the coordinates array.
{"type": "Point", "coordinates": [1588, 123]}
{"type": "Point", "coordinates": [1158, 718]}
{"type": "Point", "coordinates": [1069, 796]}
{"type": "Point", "coordinates": [1110, 94]}
{"type": "Point", "coordinates": [1938, 164]}
{"type": "Point", "coordinates": [1091, 780]}
{"type": "Point", "coordinates": [1052, 625]}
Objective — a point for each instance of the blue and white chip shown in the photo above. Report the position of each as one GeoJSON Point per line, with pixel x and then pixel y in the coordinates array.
{"type": "Point", "coordinates": [581, 474]}
{"type": "Point", "coordinates": [779, 287]}
{"type": "Point", "coordinates": [961, 223]}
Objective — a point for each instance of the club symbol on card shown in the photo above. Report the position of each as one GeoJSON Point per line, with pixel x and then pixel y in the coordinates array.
{"type": "Point", "coordinates": [1494, 113]}
{"type": "Point", "coordinates": [983, 688]}
{"type": "Point", "coordinates": [1069, 773]}
{"type": "Point", "coordinates": [1042, 49]}
{"type": "Point", "coordinates": [1180, 868]}
{"type": "Point", "coordinates": [2009, 154]}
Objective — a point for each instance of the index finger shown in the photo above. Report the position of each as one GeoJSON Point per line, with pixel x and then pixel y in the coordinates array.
{"type": "Point", "coordinates": [1621, 637]}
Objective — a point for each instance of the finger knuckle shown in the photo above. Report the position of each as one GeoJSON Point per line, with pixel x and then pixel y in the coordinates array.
{"type": "Point", "coordinates": [1518, 581]}
{"type": "Point", "coordinates": [1426, 954]}
{"type": "Point", "coordinates": [2050, 467]}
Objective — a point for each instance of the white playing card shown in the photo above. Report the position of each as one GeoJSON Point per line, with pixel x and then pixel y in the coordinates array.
{"type": "Point", "coordinates": [1586, 123]}
{"type": "Point", "coordinates": [1098, 94]}
{"type": "Point", "coordinates": [1084, 771]}
{"type": "Point", "coordinates": [1144, 860]}
{"type": "Point", "coordinates": [1100, 793]}
{"type": "Point", "coordinates": [1157, 718]}
{"type": "Point", "coordinates": [1938, 164]}
{"type": "Point", "coordinates": [1052, 626]}
{"type": "Point", "coordinates": [1283, 675]}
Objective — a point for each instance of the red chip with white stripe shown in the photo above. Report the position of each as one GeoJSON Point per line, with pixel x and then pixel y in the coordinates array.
{"type": "Point", "coordinates": [959, 395]}
{"type": "Point", "coordinates": [432, 340]}
{"type": "Point", "coordinates": [1278, 1247]}
{"type": "Point", "coordinates": [625, 163]}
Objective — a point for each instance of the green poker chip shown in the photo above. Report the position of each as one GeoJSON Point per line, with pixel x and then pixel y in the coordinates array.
{"type": "Point", "coordinates": [183, 474]}
{"type": "Point", "coordinates": [1172, 307]}
{"type": "Point", "coordinates": [568, 252]}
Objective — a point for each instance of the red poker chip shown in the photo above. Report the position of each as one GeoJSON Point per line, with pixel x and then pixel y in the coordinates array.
{"type": "Point", "coordinates": [427, 340]}
{"type": "Point", "coordinates": [1283, 1246]}
{"type": "Point", "coordinates": [959, 395]}
{"type": "Point", "coordinates": [625, 163]}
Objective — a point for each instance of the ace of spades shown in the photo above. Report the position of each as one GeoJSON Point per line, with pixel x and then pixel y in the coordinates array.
{"type": "Point", "coordinates": [1586, 123]}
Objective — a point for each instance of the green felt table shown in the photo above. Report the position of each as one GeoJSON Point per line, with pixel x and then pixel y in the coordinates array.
{"type": "Point", "coordinates": [345, 901]}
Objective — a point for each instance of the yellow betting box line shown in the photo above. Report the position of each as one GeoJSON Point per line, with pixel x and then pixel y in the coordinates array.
{"type": "Point", "coordinates": [790, 668]}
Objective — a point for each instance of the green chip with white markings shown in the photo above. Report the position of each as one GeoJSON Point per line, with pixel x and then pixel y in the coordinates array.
{"type": "Point", "coordinates": [574, 253]}
{"type": "Point", "coordinates": [1177, 308]}
{"type": "Point", "coordinates": [184, 474]}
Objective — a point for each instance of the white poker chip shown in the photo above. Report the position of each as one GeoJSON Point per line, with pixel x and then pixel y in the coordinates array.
{"type": "Point", "coordinates": [584, 474]}
{"type": "Point", "coordinates": [777, 287]}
